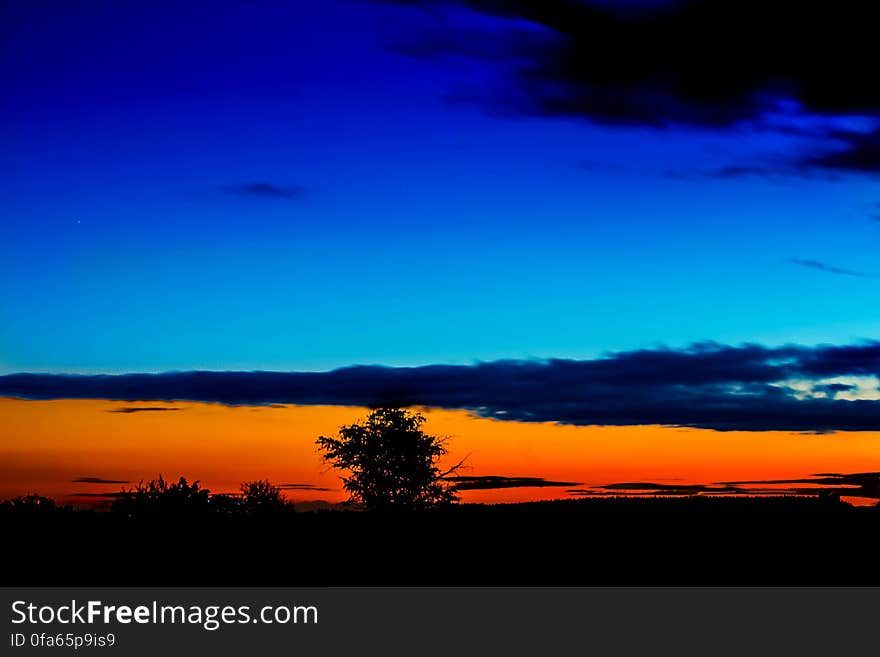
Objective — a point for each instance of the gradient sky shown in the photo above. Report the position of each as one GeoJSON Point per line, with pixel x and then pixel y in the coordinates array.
{"type": "Point", "coordinates": [78, 450]}
{"type": "Point", "coordinates": [277, 185]}
{"type": "Point", "coordinates": [574, 185]}
{"type": "Point", "coordinates": [663, 214]}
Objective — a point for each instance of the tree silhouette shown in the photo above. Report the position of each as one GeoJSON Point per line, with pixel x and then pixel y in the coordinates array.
{"type": "Point", "coordinates": [260, 497]}
{"type": "Point", "coordinates": [158, 496]}
{"type": "Point", "coordinates": [392, 463]}
{"type": "Point", "coordinates": [31, 503]}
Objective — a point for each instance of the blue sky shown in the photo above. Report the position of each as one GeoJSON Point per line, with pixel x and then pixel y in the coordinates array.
{"type": "Point", "coordinates": [274, 185]}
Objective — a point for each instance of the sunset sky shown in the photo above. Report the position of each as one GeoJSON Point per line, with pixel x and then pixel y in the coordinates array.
{"type": "Point", "coordinates": [599, 242]}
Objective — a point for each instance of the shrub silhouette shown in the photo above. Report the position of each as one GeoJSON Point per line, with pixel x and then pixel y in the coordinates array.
{"type": "Point", "coordinates": [222, 503]}
{"type": "Point", "coordinates": [392, 463]}
{"type": "Point", "coordinates": [261, 497]}
{"type": "Point", "coordinates": [31, 503]}
{"type": "Point", "coordinates": [159, 497]}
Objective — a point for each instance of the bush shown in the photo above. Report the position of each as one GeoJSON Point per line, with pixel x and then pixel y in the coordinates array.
{"type": "Point", "coordinates": [159, 497]}
{"type": "Point", "coordinates": [260, 497]}
{"type": "Point", "coordinates": [31, 503]}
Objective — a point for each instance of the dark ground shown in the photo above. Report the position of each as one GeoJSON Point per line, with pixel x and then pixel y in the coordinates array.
{"type": "Point", "coordinates": [691, 541]}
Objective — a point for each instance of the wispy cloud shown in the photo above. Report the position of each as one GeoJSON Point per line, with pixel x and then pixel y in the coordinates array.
{"type": "Point", "coordinates": [143, 409]}
{"type": "Point", "coordinates": [862, 484]}
{"type": "Point", "coordinates": [265, 190]}
{"type": "Point", "coordinates": [309, 487]}
{"type": "Point", "coordinates": [831, 269]}
{"type": "Point", "coordinates": [497, 481]}
{"type": "Point", "coordinates": [731, 171]}
{"type": "Point", "coordinates": [858, 484]}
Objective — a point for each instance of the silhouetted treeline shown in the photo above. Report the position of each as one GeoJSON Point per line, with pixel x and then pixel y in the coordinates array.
{"type": "Point", "coordinates": [606, 541]}
{"type": "Point", "coordinates": [32, 503]}
{"type": "Point", "coordinates": [158, 497]}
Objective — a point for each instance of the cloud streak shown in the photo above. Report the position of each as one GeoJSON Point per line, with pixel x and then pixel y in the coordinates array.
{"type": "Point", "coordinates": [488, 482]}
{"type": "Point", "coordinates": [307, 487]}
{"type": "Point", "coordinates": [264, 190]}
{"type": "Point", "coordinates": [712, 386]}
{"type": "Point", "coordinates": [860, 484]}
{"type": "Point", "coordinates": [142, 409]}
{"type": "Point", "coordinates": [822, 266]}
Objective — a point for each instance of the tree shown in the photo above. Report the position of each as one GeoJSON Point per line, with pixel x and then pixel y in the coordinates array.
{"type": "Point", "coordinates": [158, 496]}
{"type": "Point", "coordinates": [259, 497]}
{"type": "Point", "coordinates": [392, 463]}
{"type": "Point", "coordinates": [31, 503]}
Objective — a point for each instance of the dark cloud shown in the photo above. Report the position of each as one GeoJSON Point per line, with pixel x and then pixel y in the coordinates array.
{"type": "Point", "coordinates": [832, 389]}
{"type": "Point", "coordinates": [516, 43]}
{"type": "Point", "coordinates": [822, 266]}
{"type": "Point", "coordinates": [706, 385]}
{"type": "Point", "coordinates": [310, 487]}
{"type": "Point", "coordinates": [649, 489]}
{"type": "Point", "coordinates": [265, 190]}
{"type": "Point", "coordinates": [773, 169]}
{"type": "Point", "coordinates": [98, 480]}
{"type": "Point", "coordinates": [498, 481]}
{"type": "Point", "coordinates": [861, 154]}
{"type": "Point", "coordinates": [142, 409]}
{"type": "Point", "coordinates": [776, 169]}
{"type": "Point", "coordinates": [650, 486]}
{"type": "Point", "coordinates": [864, 484]}
{"type": "Point", "coordinates": [710, 62]}
{"type": "Point", "coordinates": [859, 484]}
{"type": "Point", "coordinates": [704, 63]}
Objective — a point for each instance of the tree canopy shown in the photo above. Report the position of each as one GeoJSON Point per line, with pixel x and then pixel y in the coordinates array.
{"type": "Point", "coordinates": [261, 497]}
{"type": "Point", "coordinates": [391, 462]}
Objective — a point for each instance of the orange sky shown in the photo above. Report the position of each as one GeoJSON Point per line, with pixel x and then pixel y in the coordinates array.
{"type": "Point", "coordinates": [46, 444]}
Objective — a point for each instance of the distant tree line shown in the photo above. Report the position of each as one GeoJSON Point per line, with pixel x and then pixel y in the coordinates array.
{"type": "Point", "coordinates": [159, 497]}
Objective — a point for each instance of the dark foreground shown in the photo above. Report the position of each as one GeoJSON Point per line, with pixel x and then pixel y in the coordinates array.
{"type": "Point", "coordinates": [692, 541]}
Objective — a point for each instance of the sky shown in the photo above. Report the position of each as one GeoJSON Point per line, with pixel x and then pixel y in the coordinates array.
{"type": "Point", "coordinates": [82, 452]}
{"type": "Point", "coordinates": [566, 217]}
{"type": "Point", "coordinates": [304, 186]}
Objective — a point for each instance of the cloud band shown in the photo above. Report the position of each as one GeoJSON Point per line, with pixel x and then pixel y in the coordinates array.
{"type": "Point", "coordinates": [706, 385]}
